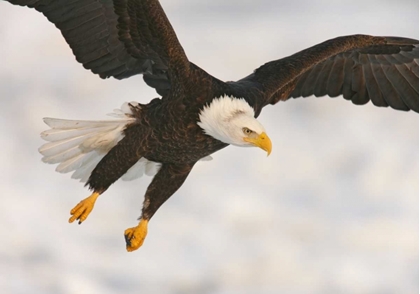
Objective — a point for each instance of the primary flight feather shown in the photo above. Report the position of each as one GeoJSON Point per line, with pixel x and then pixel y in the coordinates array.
{"type": "Point", "coordinates": [197, 114]}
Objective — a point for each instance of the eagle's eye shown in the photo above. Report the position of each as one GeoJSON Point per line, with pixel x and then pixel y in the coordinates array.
{"type": "Point", "coordinates": [247, 131]}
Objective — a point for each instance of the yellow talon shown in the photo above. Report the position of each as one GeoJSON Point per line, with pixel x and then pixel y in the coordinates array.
{"type": "Point", "coordinates": [134, 237]}
{"type": "Point", "coordinates": [82, 210]}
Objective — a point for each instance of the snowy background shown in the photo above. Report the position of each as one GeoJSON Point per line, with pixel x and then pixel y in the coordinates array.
{"type": "Point", "coordinates": [334, 209]}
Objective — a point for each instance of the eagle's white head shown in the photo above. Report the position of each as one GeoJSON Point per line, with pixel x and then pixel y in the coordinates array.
{"type": "Point", "coordinates": [231, 120]}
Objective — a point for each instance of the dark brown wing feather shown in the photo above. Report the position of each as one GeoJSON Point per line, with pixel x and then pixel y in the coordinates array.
{"type": "Point", "coordinates": [118, 38]}
{"type": "Point", "coordinates": [147, 33]}
{"type": "Point", "coordinates": [383, 70]}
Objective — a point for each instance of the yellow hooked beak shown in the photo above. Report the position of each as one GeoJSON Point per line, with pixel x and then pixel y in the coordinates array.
{"type": "Point", "coordinates": [262, 141]}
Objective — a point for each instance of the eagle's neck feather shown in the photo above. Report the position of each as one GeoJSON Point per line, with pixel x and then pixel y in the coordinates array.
{"type": "Point", "coordinates": [215, 118]}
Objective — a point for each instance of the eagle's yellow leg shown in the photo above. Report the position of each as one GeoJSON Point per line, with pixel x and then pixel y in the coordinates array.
{"type": "Point", "coordinates": [134, 237]}
{"type": "Point", "coordinates": [81, 211]}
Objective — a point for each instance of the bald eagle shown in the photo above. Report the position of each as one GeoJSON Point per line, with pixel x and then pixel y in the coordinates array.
{"type": "Point", "coordinates": [196, 114]}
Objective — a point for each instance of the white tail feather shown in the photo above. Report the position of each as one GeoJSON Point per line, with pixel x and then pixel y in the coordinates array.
{"type": "Point", "coordinates": [79, 145]}
{"type": "Point", "coordinates": [72, 163]}
{"type": "Point", "coordinates": [151, 168]}
{"type": "Point", "coordinates": [135, 171]}
{"type": "Point", "coordinates": [63, 156]}
{"type": "Point", "coordinates": [52, 135]}
{"type": "Point", "coordinates": [83, 173]}
{"type": "Point", "coordinates": [207, 158]}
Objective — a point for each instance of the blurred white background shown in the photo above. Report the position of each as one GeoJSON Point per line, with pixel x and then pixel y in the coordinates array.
{"type": "Point", "coordinates": [334, 209]}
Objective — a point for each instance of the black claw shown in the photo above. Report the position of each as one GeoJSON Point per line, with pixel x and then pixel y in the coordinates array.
{"type": "Point", "coordinates": [127, 240]}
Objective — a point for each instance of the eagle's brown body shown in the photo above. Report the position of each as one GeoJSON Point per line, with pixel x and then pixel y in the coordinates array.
{"type": "Point", "coordinates": [121, 38]}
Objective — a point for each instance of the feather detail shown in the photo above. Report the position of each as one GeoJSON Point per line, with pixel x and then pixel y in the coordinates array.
{"type": "Point", "coordinates": [79, 145]}
{"type": "Point", "coordinates": [152, 168]}
{"type": "Point", "coordinates": [135, 171]}
{"type": "Point", "coordinates": [207, 158]}
{"type": "Point", "coordinates": [143, 166]}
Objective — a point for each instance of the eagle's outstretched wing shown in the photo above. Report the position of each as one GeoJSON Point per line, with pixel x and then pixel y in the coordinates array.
{"type": "Point", "coordinates": [118, 38]}
{"type": "Point", "coordinates": [384, 70]}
